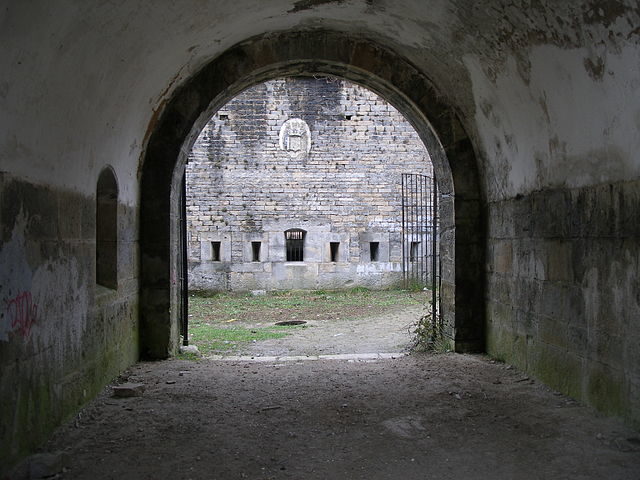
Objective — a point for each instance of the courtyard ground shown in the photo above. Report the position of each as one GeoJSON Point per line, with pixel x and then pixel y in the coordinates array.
{"type": "Point", "coordinates": [282, 415]}
{"type": "Point", "coordinates": [335, 322]}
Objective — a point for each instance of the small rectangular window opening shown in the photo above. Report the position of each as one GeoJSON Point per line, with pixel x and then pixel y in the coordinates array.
{"type": "Point", "coordinates": [295, 244]}
{"type": "Point", "coordinates": [255, 251]}
{"type": "Point", "coordinates": [223, 116]}
{"type": "Point", "coordinates": [414, 251]}
{"type": "Point", "coordinates": [374, 248]}
{"type": "Point", "coordinates": [215, 251]}
{"type": "Point", "coordinates": [334, 247]}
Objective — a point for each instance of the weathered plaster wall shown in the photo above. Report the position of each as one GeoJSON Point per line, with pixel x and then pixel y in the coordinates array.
{"type": "Point", "coordinates": [559, 124]}
{"type": "Point", "coordinates": [555, 122]}
{"type": "Point", "coordinates": [61, 336]}
{"type": "Point", "coordinates": [108, 93]}
{"type": "Point", "coordinates": [243, 187]}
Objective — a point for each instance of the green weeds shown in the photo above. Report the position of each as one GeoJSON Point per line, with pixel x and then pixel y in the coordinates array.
{"type": "Point", "coordinates": [212, 339]}
{"type": "Point", "coordinates": [428, 334]}
{"type": "Point", "coordinates": [224, 322]}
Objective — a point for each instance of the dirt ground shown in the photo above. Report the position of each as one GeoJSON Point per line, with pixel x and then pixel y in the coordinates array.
{"type": "Point", "coordinates": [420, 416]}
{"type": "Point", "coordinates": [389, 332]}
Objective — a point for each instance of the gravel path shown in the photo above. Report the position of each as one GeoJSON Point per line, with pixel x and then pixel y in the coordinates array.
{"type": "Point", "coordinates": [416, 417]}
{"type": "Point", "coordinates": [384, 333]}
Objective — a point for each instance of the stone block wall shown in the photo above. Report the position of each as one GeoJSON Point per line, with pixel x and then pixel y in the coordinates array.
{"type": "Point", "coordinates": [249, 179]}
{"type": "Point", "coordinates": [62, 336]}
{"type": "Point", "coordinates": [563, 291]}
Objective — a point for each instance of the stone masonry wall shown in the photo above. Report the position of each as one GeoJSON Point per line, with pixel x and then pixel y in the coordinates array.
{"type": "Point", "coordinates": [563, 291]}
{"type": "Point", "coordinates": [62, 336]}
{"type": "Point", "coordinates": [249, 182]}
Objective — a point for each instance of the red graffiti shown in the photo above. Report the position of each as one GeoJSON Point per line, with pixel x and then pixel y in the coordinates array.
{"type": "Point", "coordinates": [22, 312]}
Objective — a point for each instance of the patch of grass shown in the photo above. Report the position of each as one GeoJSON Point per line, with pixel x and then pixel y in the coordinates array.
{"type": "Point", "coordinates": [205, 293]}
{"type": "Point", "coordinates": [215, 339]}
{"type": "Point", "coordinates": [223, 322]}
{"type": "Point", "coordinates": [188, 356]}
{"type": "Point", "coordinates": [356, 290]}
{"type": "Point", "coordinates": [280, 293]}
{"type": "Point", "coordinates": [224, 307]}
{"type": "Point", "coordinates": [415, 287]}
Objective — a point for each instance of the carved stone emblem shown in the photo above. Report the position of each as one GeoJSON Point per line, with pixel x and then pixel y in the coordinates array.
{"type": "Point", "coordinates": [295, 137]}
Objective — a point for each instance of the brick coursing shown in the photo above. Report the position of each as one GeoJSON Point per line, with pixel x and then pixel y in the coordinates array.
{"type": "Point", "coordinates": [243, 187]}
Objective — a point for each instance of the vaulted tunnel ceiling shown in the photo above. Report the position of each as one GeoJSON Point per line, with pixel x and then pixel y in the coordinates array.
{"type": "Point", "coordinates": [522, 75]}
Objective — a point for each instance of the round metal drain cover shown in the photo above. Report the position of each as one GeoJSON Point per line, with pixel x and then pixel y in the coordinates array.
{"type": "Point", "coordinates": [286, 323]}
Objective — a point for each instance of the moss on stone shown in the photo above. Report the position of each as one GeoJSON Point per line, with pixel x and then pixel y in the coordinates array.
{"type": "Point", "coordinates": [605, 391]}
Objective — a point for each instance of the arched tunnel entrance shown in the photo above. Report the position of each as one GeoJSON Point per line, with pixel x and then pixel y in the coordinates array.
{"type": "Point", "coordinates": [305, 53]}
{"type": "Point", "coordinates": [531, 113]}
{"type": "Point", "coordinates": [310, 200]}
{"type": "Point", "coordinates": [416, 417]}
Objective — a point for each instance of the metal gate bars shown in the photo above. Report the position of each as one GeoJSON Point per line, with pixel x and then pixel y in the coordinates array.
{"type": "Point", "coordinates": [420, 242]}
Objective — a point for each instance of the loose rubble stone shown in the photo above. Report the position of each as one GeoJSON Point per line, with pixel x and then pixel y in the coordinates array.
{"type": "Point", "coordinates": [193, 349]}
{"type": "Point", "coordinates": [40, 465]}
{"type": "Point", "coordinates": [128, 390]}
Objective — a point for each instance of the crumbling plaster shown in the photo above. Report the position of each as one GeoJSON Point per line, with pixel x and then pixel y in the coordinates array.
{"type": "Point", "coordinates": [111, 66]}
{"type": "Point", "coordinates": [556, 125]}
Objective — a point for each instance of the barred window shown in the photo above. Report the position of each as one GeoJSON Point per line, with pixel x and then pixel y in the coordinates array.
{"type": "Point", "coordinates": [294, 239]}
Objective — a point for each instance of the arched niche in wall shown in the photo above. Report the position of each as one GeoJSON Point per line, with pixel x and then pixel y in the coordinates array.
{"type": "Point", "coordinates": [107, 229]}
{"type": "Point", "coordinates": [306, 53]}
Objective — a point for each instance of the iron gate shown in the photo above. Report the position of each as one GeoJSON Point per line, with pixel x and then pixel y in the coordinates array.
{"type": "Point", "coordinates": [420, 242]}
{"type": "Point", "coordinates": [183, 260]}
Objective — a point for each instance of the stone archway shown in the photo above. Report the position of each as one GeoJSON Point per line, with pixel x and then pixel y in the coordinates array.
{"type": "Point", "coordinates": [279, 55]}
